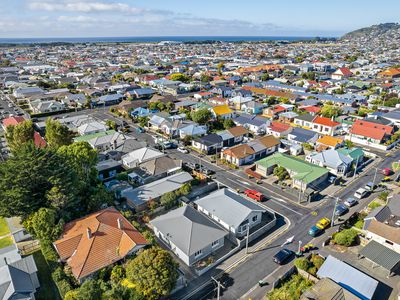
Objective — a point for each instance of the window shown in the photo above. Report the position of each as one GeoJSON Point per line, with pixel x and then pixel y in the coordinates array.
{"type": "Point", "coordinates": [389, 242]}
{"type": "Point", "coordinates": [326, 129]}
{"type": "Point", "coordinates": [214, 244]}
{"type": "Point", "coordinates": [197, 253]}
{"type": "Point", "coordinates": [255, 218]}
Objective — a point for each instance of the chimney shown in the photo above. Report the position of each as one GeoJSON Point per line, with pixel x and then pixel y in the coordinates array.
{"type": "Point", "coordinates": [119, 221]}
{"type": "Point", "coordinates": [89, 233]}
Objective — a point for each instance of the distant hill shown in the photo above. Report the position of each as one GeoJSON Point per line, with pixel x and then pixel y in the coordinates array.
{"type": "Point", "coordinates": [382, 32]}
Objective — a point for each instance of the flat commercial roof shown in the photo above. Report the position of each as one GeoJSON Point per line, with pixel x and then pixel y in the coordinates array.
{"type": "Point", "coordinates": [381, 255]}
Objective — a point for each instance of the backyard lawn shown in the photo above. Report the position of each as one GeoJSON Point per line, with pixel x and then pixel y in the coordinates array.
{"type": "Point", "coordinates": [48, 289]}
{"type": "Point", "coordinates": [3, 227]}
{"type": "Point", "coordinates": [5, 242]}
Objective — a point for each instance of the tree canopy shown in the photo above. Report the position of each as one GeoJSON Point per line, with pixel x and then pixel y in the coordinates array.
{"type": "Point", "coordinates": [153, 272]}
{"type": "Point", "coordinates": [180, 77]}
{"type": "Point", "coordinates": [20, 134]}
{"type": "Point", "coordinates": [330, 111]}
{"type": "Point", "coordinates": [57, 135]}
{"type": "Point", "coordinates": [201, 116]}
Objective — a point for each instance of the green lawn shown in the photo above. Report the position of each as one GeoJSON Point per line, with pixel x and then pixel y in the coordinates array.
{"type": "Point", "coordinates": [4, 227]}
{"type": "Point", "coordinates": [48, 289]}
{"type": "Point", "coordinates": [5, 242]}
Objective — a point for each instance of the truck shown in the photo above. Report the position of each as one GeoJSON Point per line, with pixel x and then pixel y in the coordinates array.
{"type": "Point", "coordinates": [253, 194]}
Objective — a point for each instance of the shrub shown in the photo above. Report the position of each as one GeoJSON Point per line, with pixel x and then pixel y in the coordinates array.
{"type": "Point", "coordinates": [374, 205]}
{"type": "Point", "coordinates": [313, 271]}
{"type": "Point", "coordinates": [117, 273]}
{"type": "Point", "coordinates": [347, 237]}
{"type": "Point", "coordinates": [302, 263]}
{"type": "Point", "coordinates": [317, 261]}
{"type": "Point", "coordinates": [64, 287]}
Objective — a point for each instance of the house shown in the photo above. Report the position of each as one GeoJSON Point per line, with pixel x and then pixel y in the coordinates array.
{"type": "Point", "coordinates": [303, 174]}
{"type": "Point", "coordinates": [136, 157]}
{"type": "Point", "coordinates": [287, 117]}
{"type": "Point", "coordinates": [45, 106]}
{"type": "Point", "coordinates": [252, 107]}
{"type": "Point", "coordinates": [96, 241]}
{"type": "Point", "coordinates": [336, 162]}
{"type": "Point", "coordinates": [25, 92]}
{"type": "Point", "coordinates": [138, 198]}
{"type": "Point", "coordinates": [341, 73]}
{"type": "Point", "coordinates": [238, 155]}
{"type": "Point", "coordinates": [241, 216]}
{"type": "Point", "coordinates": [110, 99]}
{"type": "Point", "coordinates": [274, 111]}
{"type": "Point", "coordinates": [192, 129]}
{"type": "Point", "coordinates": [301, 136]}
{"type": "Point", "coordinates": [108, 169]}
{"type": "Point", "coordinates": [209, 144]}
{"type": "Point", "coordinates": [328, 142]}
{"type": "Point", "coordinates": [279, 129]}
{"type": "Point", "coordinates": [189, 234]}
{"type": "Point", "coordinates": [222, 111]}
{"type": "Point", "coordinates": [255, 124]}
{"type": "Point", "coordinates": [304, 121]}
{"type": "Point", "coordinates": [38, 140]}
{"type": "Point", "coordinates": [382, 224]}
{"type": "Point", "coordinates": [348, 277]}
{"type": "Point", "coordinates": [222, 91]}
{"type": "Point", "coordinates": [326, 126]}
{"type": "Point", "coordinates": [238, 134]}
{"type": "Point", "coordinates": [327, 289]}
{"type": "Point", "coordinates": [104, 140]}
{"type": "Point", "coordinates": [364, 132]}
{"type": "Point", "coordinates": [18, 276]}
{"type": "Point", "coordinates": [239, 101]}
{"type": "Point", "coordinates": [143, 93]}
{"type": "Point", "coordinates": [91, 128]}
{"type": "Point", "coordinates": [391, 73]}
{"type": "Point", "coordinates": [154, 169]}
{"type": "Point", "coordinates": [312, 110]}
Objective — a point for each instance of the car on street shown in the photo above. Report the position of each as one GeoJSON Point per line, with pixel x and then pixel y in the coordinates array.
{"type": "Point", "coordinates": [193, 166]}
{"type": "Point", "coordinates": [341, 209]}
{"type": "Point", "coordinates": [315, 231]}
{"type": "Point", "coordinates": [253, 194]}
{"type": "Point", "coordinates": [139, 130]}
{"type": "Point", "coordinates": [360, 193]}
{"type": "Point", "coordinates": [207, 171]}
{"type": "Point", "coordinates": [323, 223]}
{"type": "Point", "coordinates": [183, 150]}
{"type": "Point", "coordinates": [350, 202]}
{"type": "Point", "coordinates": [387, 171]}
{"type": "Point", "coordinates": [282, 256]}
{"type": "Point", "coordinates": [369, 186]}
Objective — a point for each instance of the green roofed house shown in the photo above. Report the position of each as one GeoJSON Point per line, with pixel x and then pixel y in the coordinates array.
{"type": "Point", "coordinates": [88, 137]}
{"type": "Point", "coordinates": [356, 154]}
{"type": "Point", "coordinates": [303, 174]}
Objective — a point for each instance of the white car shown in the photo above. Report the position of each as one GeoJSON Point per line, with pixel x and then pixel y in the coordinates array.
{"type": "Point", "coordinates": [183, 150]}
{"type": "Point", "coordinates": [360, 193]}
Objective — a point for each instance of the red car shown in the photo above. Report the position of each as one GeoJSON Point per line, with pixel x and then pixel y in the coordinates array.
{"type": "Point", "coordinates": [386, 171]}
{"type": "Point", "coordinates": [253, 194]}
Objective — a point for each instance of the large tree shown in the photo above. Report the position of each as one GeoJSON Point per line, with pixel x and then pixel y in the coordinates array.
{"type": "Point", "coordinates": [330, 111]}
{"type": "Point", "coordinates": [153, 272]}
{"type": "Point", "coordinates": [44, 224]}
{"type": "Point", "coordinates": [201, 116]}
{"type": "Point", "coordinates": [17, 135]}
{"type": "Point", "coordinates": [57, 135]}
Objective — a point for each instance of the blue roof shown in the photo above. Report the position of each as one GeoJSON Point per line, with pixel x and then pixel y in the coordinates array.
{"type": "Point", "coordinates": [111, 97]}
{"type": "Point", "coordinates": [144, 91]}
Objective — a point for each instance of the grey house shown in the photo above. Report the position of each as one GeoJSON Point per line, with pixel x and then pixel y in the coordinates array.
{"type": "Point", "coordinates": [189, 234]}
{"type": "Point", "coordinates": [18, 276]}
{"type": "Point", "coordinates": [231, 210]}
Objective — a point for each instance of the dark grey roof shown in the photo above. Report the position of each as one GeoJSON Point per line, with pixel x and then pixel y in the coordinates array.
{"type": "Point", "coordinates": [305, 117]}
{"type": "Point", "coordinates": [381, 255]}
{"type": "Point", "coordinates": [378, 120]}
{"type": "Point", "coordinates": [210, 139]}
{"type": "Point", "coordinates": [302, 135]}
{"type": "Point", "coordinates": [228, 206]}
{"type": "Point", "coordinates": [188, 229]}
{"type": "Point", "coordinates": [107, 164]}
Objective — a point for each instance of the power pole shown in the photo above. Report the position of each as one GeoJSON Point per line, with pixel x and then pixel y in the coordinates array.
{"type": "Point", "coordinates": [219, 285]}
{"type": "Point", "coordinates": [355, 170]}
{"type": "Point", "coordinates": [334, 210]}
{"type": "Point", "coordinates": [247, 239]}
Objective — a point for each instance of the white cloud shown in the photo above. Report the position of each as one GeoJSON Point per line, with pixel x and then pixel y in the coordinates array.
{"type": "Point", "coordinates": [79, 19]}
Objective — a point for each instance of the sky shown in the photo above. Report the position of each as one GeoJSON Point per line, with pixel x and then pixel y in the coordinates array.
{"type": "Point", "coordinates": [120, 18]}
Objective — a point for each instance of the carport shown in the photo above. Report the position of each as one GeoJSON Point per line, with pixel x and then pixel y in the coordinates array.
{"type": "Point", "coordinates": [381, 256]}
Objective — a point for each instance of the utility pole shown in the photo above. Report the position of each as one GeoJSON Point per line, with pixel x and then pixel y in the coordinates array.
{"type": "Point", "coordinates": [355, 170]}
{"type": "Point", "coordinates": [376, 171]}
{"type": "Point", "coordinates": [334, 210]}
{"type": "Point", "coordinates": [219, 285]}
{"type": "Point", "coordinates": [247, 239]}
{"type": "Point", "coordinates": [299, 246]}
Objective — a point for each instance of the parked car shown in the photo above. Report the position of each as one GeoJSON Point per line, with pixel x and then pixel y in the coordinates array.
{"type": "Point", "coordinates": [369, 186]}
{"type": "Point", "coordinates": [315, 231]}
{"type": "Point", "coordinates": [282, 256]}
{"type": "Point", "coordinates": [139, 130]}
{"type": "Point", "coordinates": [360, 193]}
{"type": "Point", "coordinates": [193, 166]}
{"type": "Point", "coordinates": [387, 171]}
{"type": "Point", "coordinates": [253, 194]}
{"type": "Point", "coordinates": [183, 150]}
{"type": "Point", "coordinates": [207, 171]}
{"type": "Point", "coordinates": [350, 202]}
{"type": "Point", "coordinates": [323, 223]}
{"type": "Point", "coordinates": [341, 209]}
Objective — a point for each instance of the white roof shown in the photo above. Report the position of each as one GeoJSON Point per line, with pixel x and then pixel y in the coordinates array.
{"type": "Point", "coordinates": [141, 155]}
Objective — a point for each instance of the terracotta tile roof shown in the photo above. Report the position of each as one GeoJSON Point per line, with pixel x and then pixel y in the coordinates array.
{"type": "Point", "coordinates": [386, 128]}
{"type": "Point", "coordinates": [373, 133]}
{"type": "Point", "coordinates": [330, 141]}
{"type": "Point", "coordinates": [269, 141]}
{"type": "Point", "coordinates": [238, 131]}
{"type": "Point", "coordinates": [269, 92]}
{"type": "Point", "coordinates": [239, 151]}
{"type": "Point", "coordinates": [13, 121]}
{"type": "Point", "coordinates": [390, 72]}
{"type": "Point", "coordinates": [279, 127]}
{"type": "Point", "coordinates": [38, 140]}
{"type": "Point", "coordinates": [259, 68]}
{"type": "Point", "coordinates": [325, 121]}
{"type": "Point", "coordinates": [344, 71]}
{"type": "Point", "coordinates": [106, 244]}
{"type": "Point", "coordinates": [312, 109]}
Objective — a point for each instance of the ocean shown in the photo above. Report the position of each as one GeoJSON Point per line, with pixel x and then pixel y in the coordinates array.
{"type": "Point", "coordinates": [151, 39]}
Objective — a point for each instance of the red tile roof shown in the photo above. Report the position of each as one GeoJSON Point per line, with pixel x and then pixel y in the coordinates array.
{"type": "Point", "coordinates": [312, 109]}
{"type": "Point", "coordinates": [325, 121]}
{"type": "Point", "coordinates": [13, 121]}
{"type": "Point", "coordinates": [377, 134]}
{"type": "Point", "coordinates": [107, 243]}
{"type": "Point", "coordinates": [386, 128]}
{"type": "Point", "coordinates": [344, 71]}
{"type": "Point", "coordinates": [279, 127]}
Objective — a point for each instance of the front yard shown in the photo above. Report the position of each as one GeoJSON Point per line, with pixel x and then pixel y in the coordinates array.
{"type": "Point", "coordinates": [6, 241]}
{"type": "Point", "coordinates": [4, 227]}
{"type": "Point", "coordinates": [292, 288]}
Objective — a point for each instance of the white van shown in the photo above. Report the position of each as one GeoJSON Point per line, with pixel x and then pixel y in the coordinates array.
{"type": "Point", "coordinates": [360, 193]}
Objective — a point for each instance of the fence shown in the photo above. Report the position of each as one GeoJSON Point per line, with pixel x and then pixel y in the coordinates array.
{"type": "Point", "coordinates": [288, 273]}
{"type": "Point", "coordinates": [256, 234]}
{"type": "Point", "coordinates": [29, 247]}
